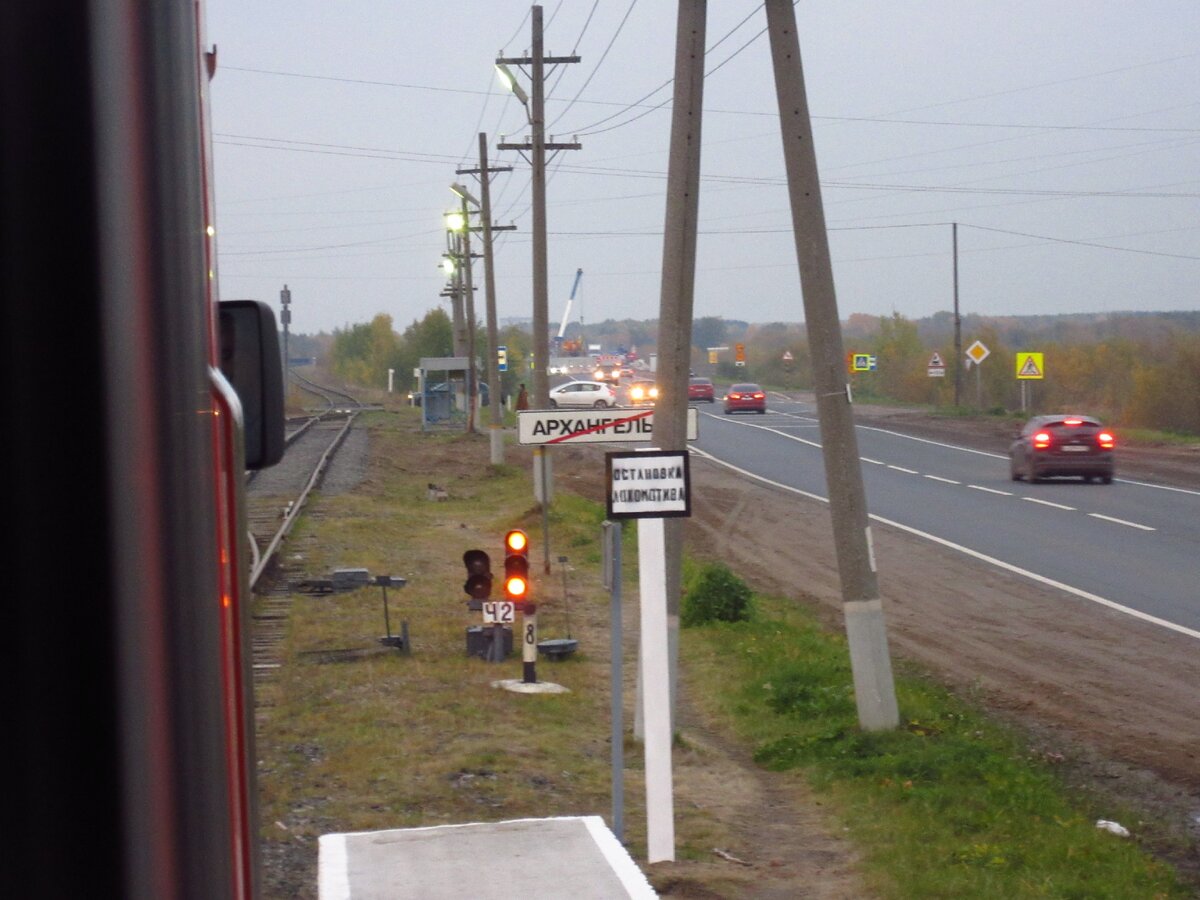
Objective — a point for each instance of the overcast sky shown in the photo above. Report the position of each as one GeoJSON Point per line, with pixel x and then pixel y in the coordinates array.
{"type": "Point", "coordinates": [1063, 137]}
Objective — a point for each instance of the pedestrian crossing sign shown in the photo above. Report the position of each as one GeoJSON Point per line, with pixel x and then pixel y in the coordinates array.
{"type": "Point", "coordinates": [1030, 366]}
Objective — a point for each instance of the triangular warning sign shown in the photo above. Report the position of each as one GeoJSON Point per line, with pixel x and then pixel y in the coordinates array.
{"type": "Point", "coordinates": [1029, 369]}
{"type": "Point", "coordinates": [936, 361]}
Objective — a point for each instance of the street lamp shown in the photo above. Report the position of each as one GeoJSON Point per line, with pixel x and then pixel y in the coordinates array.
{"type": "Point", "coordinates": [456, 221]}
{"type": "Point", "coordinates": [464, 194]}
{"type": "Point", "coordinates": [510, 83]}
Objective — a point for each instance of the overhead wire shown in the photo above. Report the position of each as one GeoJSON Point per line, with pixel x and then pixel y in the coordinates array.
{"type": "Point", "coordinates": [588, 129]}
{"type": "Point", "coordinates": [599, 62]}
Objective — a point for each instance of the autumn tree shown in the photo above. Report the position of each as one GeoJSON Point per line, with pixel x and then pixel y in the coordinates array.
{"type": "Point", "coordinates": [362, 354]}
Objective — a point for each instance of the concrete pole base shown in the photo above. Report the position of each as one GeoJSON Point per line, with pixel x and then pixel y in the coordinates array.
{"type": "Point", "coordinates": [496, 440]}
{"type": "Point", "coordinates": [874, 689]}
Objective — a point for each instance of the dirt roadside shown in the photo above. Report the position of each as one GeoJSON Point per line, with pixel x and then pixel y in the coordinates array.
{"type": "Point", "coordinates": [1116, 699]}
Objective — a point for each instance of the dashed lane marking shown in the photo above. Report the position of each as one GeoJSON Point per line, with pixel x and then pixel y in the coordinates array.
{"type": "Point", "coordinates": [1049, 503]}
{"type": "Point", "coordinates": [1122, 522]}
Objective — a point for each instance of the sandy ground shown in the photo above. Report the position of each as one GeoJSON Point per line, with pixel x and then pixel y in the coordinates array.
{"type": "Point", "coordinates": [1118, 699]}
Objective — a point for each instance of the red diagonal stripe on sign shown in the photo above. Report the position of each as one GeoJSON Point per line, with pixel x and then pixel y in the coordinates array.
{"type": "Point", "coordinates": [604, 427]}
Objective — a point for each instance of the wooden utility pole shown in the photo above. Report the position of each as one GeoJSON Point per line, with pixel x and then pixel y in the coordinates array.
{"type": "Point", "coordinates": [874, 689]}
{"type": "Point", "coordinates": [536, 108]}
{"type": "Point", "coordinates": [536, 148]}
{"type": "Point", "coordinates": [496, 412]}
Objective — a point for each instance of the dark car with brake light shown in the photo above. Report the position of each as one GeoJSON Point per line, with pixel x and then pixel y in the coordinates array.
{"type": "Point", "coordinates": [1063, 445]}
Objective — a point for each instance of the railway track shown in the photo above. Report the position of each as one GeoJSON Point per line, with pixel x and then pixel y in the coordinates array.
{"type": "Point", "coordinates": [275, 498]}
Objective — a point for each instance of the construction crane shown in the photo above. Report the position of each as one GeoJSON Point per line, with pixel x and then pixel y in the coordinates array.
{"type": "Point", "coordinates": [559, 345]}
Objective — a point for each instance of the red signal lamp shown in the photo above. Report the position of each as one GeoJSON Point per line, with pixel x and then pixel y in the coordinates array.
{"type": "Point", "coordinates": [516, 565]}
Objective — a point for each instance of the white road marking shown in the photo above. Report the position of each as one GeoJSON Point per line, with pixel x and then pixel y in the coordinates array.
{"type": "Point", "coordinates": [935, 443]}
{"type": "Point", "coordinates": [980, 487]}
{"type": "Point", "coordinates": [974, 554]}
{"type": "Point", "coordinates": [943, 480]}
{"type": "Point", "coordinates": [977, 487]}
{"type": "Point", "coordinates": [1122, 522]}
{"type": "Point", "coordinates": [1048, 503]}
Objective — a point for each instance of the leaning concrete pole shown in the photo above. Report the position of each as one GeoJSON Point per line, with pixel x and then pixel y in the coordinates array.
{"type": "Point", "coordinates": [874, 689]}
{"type": "Point", "coordinates": [678, 284]}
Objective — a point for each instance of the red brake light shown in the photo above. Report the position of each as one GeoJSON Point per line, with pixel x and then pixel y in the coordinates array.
{"type": "Point", "coordinates": [760, 396]}
{"type": "Point", "coordinates": [1072, 421]}
{"type": "Point", "coordinates": [734, 396]}
{"type": "Point", "coordinates": [1042, 440]}
{"type": "Point", "coordinates": [1106, 440]}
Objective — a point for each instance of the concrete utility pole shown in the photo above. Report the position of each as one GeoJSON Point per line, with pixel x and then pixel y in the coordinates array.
{"type": "Point", "coordinates": [496, 412]}
{"type": "Point", "coordinates": [874, 689]}
{"type": "Point", "coordinates": [678, 284]}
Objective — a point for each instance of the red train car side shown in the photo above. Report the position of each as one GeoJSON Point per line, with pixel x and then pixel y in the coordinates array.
{"type": "Point", "coordinates": [129, 705]}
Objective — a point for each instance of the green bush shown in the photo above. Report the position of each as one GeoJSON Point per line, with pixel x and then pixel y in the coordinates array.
{"type": "Point", "coordinates": [715, 594]}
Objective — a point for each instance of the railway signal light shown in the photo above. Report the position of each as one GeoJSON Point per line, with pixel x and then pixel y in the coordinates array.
{"type": "Point", "coordinates": [479, 575]}
{"type": "Point", "coordinates": [516, 566]}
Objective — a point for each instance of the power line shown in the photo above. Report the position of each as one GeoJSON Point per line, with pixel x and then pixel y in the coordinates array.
{"type": "Point", "coordinates": [1042, 237]}
{"type": "Point", "coordinates": [667, 83]}
{"type": "Point", "coordinates": [599, 62]}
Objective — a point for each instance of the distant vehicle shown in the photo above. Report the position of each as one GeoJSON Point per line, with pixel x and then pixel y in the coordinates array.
{"type": "Point", "coordinates": [1050, 446]}
{"type": "Point", "coordinates": [607, 373]}
{"type": "Point", "coordinates": [643, 393]}
{"type": "Point", "coordinates": [745, 398]}
{"type": "Point", "coordinates": [583, 393]}
{"type": "Point", "coordinates": [701, 389]}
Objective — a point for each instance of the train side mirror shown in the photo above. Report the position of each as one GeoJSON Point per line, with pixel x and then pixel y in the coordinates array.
{"type": "Point", "coordinates": [251, 361]}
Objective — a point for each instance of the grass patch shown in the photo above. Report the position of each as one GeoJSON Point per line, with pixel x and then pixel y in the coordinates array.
{"type": "Point", "coordinates": [949, 805]}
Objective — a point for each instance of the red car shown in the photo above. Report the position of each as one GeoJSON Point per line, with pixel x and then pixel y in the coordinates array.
{"type": "Point", "coordinates": [701, 389]}
{"type": "Point", "coordinates": [745, 398]}
{"type": "Point", "coordinates": [1063, 445]}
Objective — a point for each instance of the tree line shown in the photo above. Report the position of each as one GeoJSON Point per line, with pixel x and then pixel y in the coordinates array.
{"type": "Point", "coordinates": [1133, 369]}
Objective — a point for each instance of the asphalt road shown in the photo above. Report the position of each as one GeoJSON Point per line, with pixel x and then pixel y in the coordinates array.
{"type": "Point", "coordinates": [1128, 545]}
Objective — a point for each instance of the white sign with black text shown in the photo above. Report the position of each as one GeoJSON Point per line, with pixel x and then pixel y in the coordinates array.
{"type": "Point", "coordinates": [593, 426]}
{"type": "Point", "coordinates": [648, 484]}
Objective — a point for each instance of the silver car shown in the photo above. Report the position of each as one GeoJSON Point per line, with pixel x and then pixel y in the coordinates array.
{"type": "Point", "coordinates": [583, 393]}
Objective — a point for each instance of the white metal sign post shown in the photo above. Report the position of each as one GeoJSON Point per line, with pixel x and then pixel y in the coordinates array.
{"type": "Point", "coordinates": [652, 485]}
{"type": "Point", "coordinates": [977, 353]}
